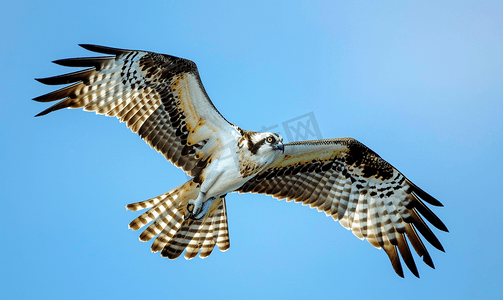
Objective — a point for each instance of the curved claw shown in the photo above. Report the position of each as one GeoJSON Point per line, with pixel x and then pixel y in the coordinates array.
{"type": "Point", "coordinates": [198, 210]}
{"type": "Point", "coordinates": [196, 206]}
{"type": "Point", "coordinates": [204, 209]}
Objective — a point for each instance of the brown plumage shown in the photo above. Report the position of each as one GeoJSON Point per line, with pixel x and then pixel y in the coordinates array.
{"type": "Point", "coordinates": [356, 187]}
{"type": "Point", "coordinates": [162, 99]}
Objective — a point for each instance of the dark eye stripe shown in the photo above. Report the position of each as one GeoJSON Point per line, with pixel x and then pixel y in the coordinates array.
{"type": "Point", "coordinates": [254, 147]}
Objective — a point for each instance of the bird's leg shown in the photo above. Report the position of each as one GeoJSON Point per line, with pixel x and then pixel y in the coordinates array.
{"type": "Point", "coordinates": [199, 206]}
{"type": "Point", "coordinates": [204, 209]}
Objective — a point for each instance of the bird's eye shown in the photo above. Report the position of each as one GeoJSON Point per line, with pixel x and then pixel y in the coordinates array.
{"type": "Point", "coordinates": [270, 139]}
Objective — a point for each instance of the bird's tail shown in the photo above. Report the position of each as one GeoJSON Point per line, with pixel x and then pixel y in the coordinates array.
{"type": "Point", "coordinates": [174, 232]}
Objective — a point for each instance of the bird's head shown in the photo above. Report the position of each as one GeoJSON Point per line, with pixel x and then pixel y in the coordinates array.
{"type": "Point", "coordinates": [257, 150]}
{"type": "Point", "coordinates": [265, 143]}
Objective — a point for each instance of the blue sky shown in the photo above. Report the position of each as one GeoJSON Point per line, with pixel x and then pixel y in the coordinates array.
{"type": "Point", "coordinates": [419, 83]}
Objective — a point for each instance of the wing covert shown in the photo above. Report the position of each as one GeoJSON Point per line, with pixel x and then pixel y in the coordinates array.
{"type": "Point", "coordinates": [356, 187]}
{"type": "Point", "coordinates": [160, 97]}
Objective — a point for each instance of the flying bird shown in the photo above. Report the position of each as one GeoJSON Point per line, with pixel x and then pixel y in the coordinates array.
{"type": "Point", "coordinates": [162, 99]}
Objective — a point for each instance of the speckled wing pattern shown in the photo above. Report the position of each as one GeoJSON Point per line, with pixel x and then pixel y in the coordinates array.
{"type": "Point", "coordinates": [160, 97]}
{"type": "Point", "coordinates": [356, 187]}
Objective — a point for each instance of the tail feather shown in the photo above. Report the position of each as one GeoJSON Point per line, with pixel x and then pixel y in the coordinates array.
{"type": "Point", "coordinates": [208, 242]}
{"type": "Point", "coordinates": [176, 234]}
{"type": "Point", "coordinates": [160, 205]}
{"type": "Point", "coordinates": [204, 233]}
{"type": "Point", "coordinates": [168, 220]}
{"type": "Point", "coordinates": [182, 239]}
{"type": "Point", "coordinates": [147, 203]}
{"type": "Point", "coordinates": [204, 238]}
{"type": "Point", "coordinates": [167, 234]}
{"type": "Point", "coordinates": [221, 231]}
{"type": "Point", "coordinates": [200, 235]}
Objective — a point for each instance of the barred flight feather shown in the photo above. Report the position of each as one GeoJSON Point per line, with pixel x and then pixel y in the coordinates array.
{"type": "Point", "coordinates": [147, 91]}
{"type": "Point", "coordinates": [162, 99]}
{"type": "Point", "coordinates": [356, 187]}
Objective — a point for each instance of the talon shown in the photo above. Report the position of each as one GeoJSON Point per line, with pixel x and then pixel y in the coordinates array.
{"type": "Point", "coordinates": [198, 211]}
{"type": "Point", "coordinates": [196, 205]}
{"type": "Point", "coordinates": [204, 209]}
{"type": "Point", "coordinates": [189, 214]}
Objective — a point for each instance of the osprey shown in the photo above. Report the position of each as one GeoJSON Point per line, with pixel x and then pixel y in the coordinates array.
{"type": "Point", "coordinates": [162, 99]}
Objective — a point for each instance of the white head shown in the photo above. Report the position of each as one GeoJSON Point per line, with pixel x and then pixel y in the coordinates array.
{"type": "Point", "coordinates": [262, 144]}
{"type": "Point", "coordinates": [265, 142]}
{"type": "Point", "coordinates": [257, 150]}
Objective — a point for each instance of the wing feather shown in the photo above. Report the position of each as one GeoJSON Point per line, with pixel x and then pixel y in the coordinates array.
{"type": "Point", "coordinates": [158, 96]}
{"type": "Point", "coordinates": [351, 183]}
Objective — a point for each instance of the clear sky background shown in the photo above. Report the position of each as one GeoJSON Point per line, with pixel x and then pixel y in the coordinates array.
{"type": "Point", "coordinates": [421, 83]}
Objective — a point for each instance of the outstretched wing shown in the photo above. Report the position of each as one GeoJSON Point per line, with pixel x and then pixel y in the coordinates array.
{"type": "Point", "coordinates": [160, 97]}
{"type": "Point", "coordinates": [355, 186]}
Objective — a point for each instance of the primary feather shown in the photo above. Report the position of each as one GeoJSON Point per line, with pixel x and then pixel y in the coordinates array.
{"type": "Point", "coordinates": [162, 99]}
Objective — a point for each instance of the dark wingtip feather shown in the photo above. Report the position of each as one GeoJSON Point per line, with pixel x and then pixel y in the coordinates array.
{"type": "Point", "coordinates": [425, 231]}
{"type": "Point", "coordinates": [60, 105]}
{"type": "Point", "coordinates": [41, 80]}
{"type": "Point", "coordinates": [61, 62]}
{"type": "Point", "coordinates": [428, 214]}
{"type": "Point", "coordinates": [103, 49]}
{"type": "Point", "coordinates": [58, 94]}
{"type": "Point", "coordinates": [390, 250]}
{"type": "Point", "coordinates": [418, 245]}
{"type": "Point", "coordinates": [424, 195]}
{"type": "Point", "coordinates": [43, 113]}
{"type": "Point", "coordinates": [82, 75]}
{"type": "Point", "coordinates": [428, 261]}
{"type": "Point", "coordinates": [403, 247]}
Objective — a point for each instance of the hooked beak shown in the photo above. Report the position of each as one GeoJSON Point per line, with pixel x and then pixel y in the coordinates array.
{"type": "Point", "coordinates": [279, 147]}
